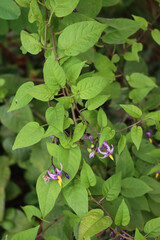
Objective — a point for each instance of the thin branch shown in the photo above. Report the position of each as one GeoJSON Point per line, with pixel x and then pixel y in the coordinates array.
{"type": "Point", "coordinates": [119, 234]}
{"type": "Point", "coordinates": [52, 223]}
{"type": "Point", "coordinates": [53, 43]}
{"type": "Point", "coordinates": [140, 121]}
{"type": "Point", "coordinates": [130, 237]}
{"type": "Point", "coordinates": [85, 119]}
{"type": "Point", "coordinates": [39, 115]}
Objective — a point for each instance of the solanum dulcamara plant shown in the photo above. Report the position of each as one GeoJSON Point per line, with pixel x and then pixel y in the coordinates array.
{"type": "Point", "coordinates": [101, 125]}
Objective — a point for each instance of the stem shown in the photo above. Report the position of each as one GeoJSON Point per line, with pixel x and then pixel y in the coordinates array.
{"type": "Point", "coordinates": [140, 121]}
{"type": "Point", "coordinates": [53, 44]}
{"type": "Point", "coordinates": [117, 233]}
{"type": "Point", "coordinates": [53, 222]}
{"type": "Point", "coordinates": [85, 119]}
{"type": "Point", "coordinates": [39, 115]}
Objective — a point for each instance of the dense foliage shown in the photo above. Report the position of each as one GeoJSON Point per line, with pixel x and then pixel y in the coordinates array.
{"type": "Point", "coordinates": [80, 119]}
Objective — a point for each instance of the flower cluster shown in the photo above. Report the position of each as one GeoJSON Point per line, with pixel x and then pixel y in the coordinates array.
{"type": "Point", "coordinates": [56, 176]}
{"type": "Point", "coordinates": [113, 235]}
{"type": "Point", "coordinates": [104, 149]}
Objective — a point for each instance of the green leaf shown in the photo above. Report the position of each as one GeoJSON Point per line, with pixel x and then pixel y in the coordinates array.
{"type": "Point", "coordinates": [92, 223]}
{"type": "Point", "coordinates": [70, 159]}
{"type": "Point", "coordinates": [152, 227]}
{"type": "Point", "coordinates": [15, 120]}
{"type": "Point", "coordinates": [41, 92]}
{"type": "Point", "coordinates": [77, 197]}
{"type": "Point", "coordinates": [74, 71]}
{"type": "Point", "coordinates": [121, 144]}
{"type": "Point", "coordinates": [124, 163]}
{"type": "Point", "coordinates": [143, 21]}
{"type": "Point", "coordinates": [23, 3]}
{"type": "Point", "coordinates": [54, 75]}
{"type": "Point", "coordinates": [138, 235]}
{"type": "Point", "coordinates": [89, 8]}
{"type": "Point", "coordinates": [78, 131]}
{"type": "Point", "coordinates": [9, 10]}
{"type": "Point", "coordinates": [106, 134]}
{"type": "Point", "coordinates": [30, 42]}
{"type": "Point", "coordinates": [79, 37]}
{"type": "Point", "coordinates": [64, 7]}
{"type": "Point", "coordinates": [133, 55]}
{"type": "Point", "coordinates": [137, 95]}
{"type": "Point", "coordinates": [133, 187]}
{"type": "Point", "coordinates": [156, 35]}
{"type": "Point", "coordinates": [66, 101]}
{"type": "Point", "coordinates": [96, 102]}
{"type": "Point", "coordinates": [119, 29]}
{"type": "Point", "coordinates": [112, 187]}
{"type": "Point", "coordinates": [22, 98]}
{"type": "Point", "coordinates": [27, 234]}
{"type": "Point", "coordinates": [132, 110]}
{"type": "Point", "coordinates": [109, 3]}
{"type": "Point", "coordinates": [52, 149]}
{"type": "Point", "coordinates": [55, 116]}
{"type": "Point", "coordinates": [154, 169]}
{"type": "Point", "coordinates": [136, 135]}
{"type": "Point", "coordinates": [152, 183]}
{"type": "Point", "coordinates": [34, 12]}
{"type": "Point", "coordinates": [31, 211]}
{"type": "Point", "coordinates": [122, 215]}
{"type": "Point", "coordinates": [101, 118]}
{"type": "Point", "coordinates": [47, 194]}
{"type": "Point", "coordinates": [139, 80]}
{"type": "Point", "coordinates": [30, 134]}
{"type": "Point", "coordinates": [90, 87]}
{"type": "Point", "coordinates": [87, 176]}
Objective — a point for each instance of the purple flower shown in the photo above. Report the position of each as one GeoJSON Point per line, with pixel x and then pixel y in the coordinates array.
{"type": "Point", "coordinates": [88, 136]}
{"type": "Point", "coordinates": [149, 135]}
{"type": "Point", "coordinates": [92, 154]}
{"type": "Point", "coordinates": [75, 10]}
{"type": "Point", "coordinates": [56, 176]}
{"type": "Point", "coordinates": [157, 174]}
{"type": "Point", "coordinates": [108, 151]}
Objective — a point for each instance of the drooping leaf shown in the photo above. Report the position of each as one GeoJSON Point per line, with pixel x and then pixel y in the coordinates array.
{"type": "Point", "coordinates": [152, 227]}
{"type": "Point", "coordinates": [121, 144]}
{"type": "Point", "coordinates": [138, 235]}
{"type": "Point", "coordinates": [106, 134]}
{"type": "Point", "coordinates": [9, 10]}
{"type": "Point", "coordinates": [30, 42]}
{"type": "Point", "coordinates": [122, 215]}
{"type": "Point", "coordinates": [47, 194]}
{"type": "Point", "coordinates": [112, 187]}
{"type": "Point", "coordinates": [27, 234]}
{"type": "Point", "coordinates": [79, 37]}
{"type": "Point", "coordinates": [119, 29]}
{"type": "Point", "coordinates": [30, 134]}
{"type": "Point", "coordinates": [41, 92]}
{"type": "Point", "coordinates": [74, 71]}
{"type": "Point", "coordinates": [64, 7]}
{"type": "Point", "coordinates": [133, 187]}
{"type": "Point", "coordinates": [96, 102]}
{"type": "Point", "coordinates": [101, 118]}
{"type": "Point", "coordinates": [55, 116]}
{"type": "Point", "coordinates": [92, 223]}
{"type": "Point", "coordinates": [139, 80]}
{"type": "Point", "coordinates": [90, 87]}
{"type": "Point", "coordinates": [132, 110]}
{"type": "Point", "coordinates": [156, 35]}
{"type": "Point", "coordinates": [124, 163]}
{"type": "Point", "coordinates": [22, 98]}
{"type": "Point", "coordinates": [54, 75]}
{"type": "Point", "coordinates": [77, 197]}
{"type": "Point", "coordinates": [87, 176]}
{"type": "Point", "coordinates": [78, 131]}
{"type": "Point", "coordinates": [31, 211]}
{"type": "Point", "coordinates": [136, 135]}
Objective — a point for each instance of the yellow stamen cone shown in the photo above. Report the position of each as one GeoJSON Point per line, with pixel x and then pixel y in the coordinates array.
{"type": "Point", "coordinates": [157, 174]}
{"type": "Point", "coordinates": [59, 181]}
{"type": "Point", "coordinates": [150, 140]}
{"type": "Point", "coordinates": [111, 157]}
